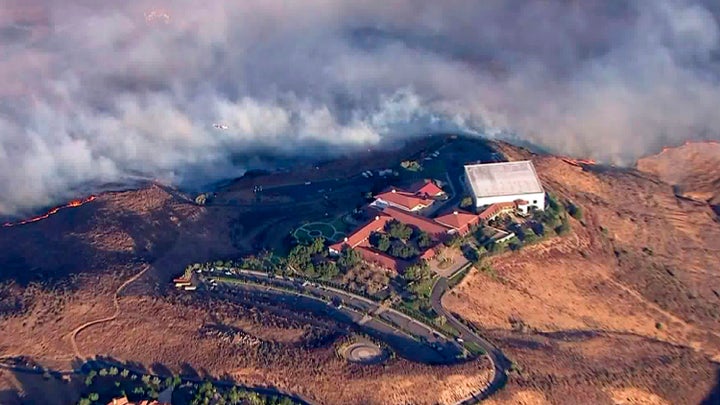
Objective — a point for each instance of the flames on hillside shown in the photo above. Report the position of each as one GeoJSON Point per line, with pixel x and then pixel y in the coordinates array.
{"type": "Point", "coordinates": [667, 148]}
{"type": "Point", "coordinates": [71, 204]}
{"type": "Point", "coordinates": [579, 162]}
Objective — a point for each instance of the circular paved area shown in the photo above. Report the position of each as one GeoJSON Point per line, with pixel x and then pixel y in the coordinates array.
{"type": "Point", "coordinates": [364, 353]}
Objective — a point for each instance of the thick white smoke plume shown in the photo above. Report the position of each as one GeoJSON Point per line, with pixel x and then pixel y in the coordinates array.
{"type": "Point", "coordinates": [105, 91]}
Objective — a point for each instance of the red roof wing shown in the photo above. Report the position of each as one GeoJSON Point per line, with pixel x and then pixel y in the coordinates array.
{"type": "Point", "coordinates": [363, 233]}
{"type": "Point", "coordinates": [457, 221]}
{"type": "Point", "coordinates": [431, 227]}
{"type": "Point", "coordinates": [404, 199]}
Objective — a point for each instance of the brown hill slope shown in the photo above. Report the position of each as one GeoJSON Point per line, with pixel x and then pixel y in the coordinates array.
{"type": "Point", "coordinates": [625, 308]}
{"type": "Point", "coordinates": [66, 269]}
{"type": "Point", "coordinates": [628, 300]}
{"type": "Point", "coordinates": [694, 170]}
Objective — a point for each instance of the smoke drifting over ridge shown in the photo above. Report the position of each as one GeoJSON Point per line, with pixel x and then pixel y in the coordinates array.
{"type": "Point", "coordinates": [94, 92]}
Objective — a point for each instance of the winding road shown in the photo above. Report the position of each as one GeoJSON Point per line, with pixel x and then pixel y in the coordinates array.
{"type": "Point", "coordinates": [501, 364]}
{"type": "Point", "coordinates": [116, 303]}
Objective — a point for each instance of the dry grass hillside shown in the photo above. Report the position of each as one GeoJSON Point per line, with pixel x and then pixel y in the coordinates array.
{"type": "Point", "coordinates": [694, 169]}
{"type": "Point", "coordinates": [628, 301]}
{"type": "Point", "coordinates": [64, 271]}
{"type": "Point", "coordinates": [624, 309]}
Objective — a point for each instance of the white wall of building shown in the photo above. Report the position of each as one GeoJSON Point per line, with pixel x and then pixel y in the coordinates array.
{"type": "Point", "coordinates": [537, 200]}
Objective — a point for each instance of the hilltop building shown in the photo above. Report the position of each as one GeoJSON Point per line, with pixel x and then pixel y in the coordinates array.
{"type": "Point", "coordinates": [421, 195]}
{"type": "Point", "coordinates": [512, 185]}
{"type": "Point", "coordinates": [361, 235]}
{"type": "Point", "coordinates": [459, 221]}
{"type": "Point", "coordinates": [403, 200]}
{"type": "Point", "coordinates": [427, 188]}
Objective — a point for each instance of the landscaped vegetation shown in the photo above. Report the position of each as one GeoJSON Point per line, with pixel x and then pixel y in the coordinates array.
{"type": "Point", "coordinates": [401, 241]}
{"type": "Point", "coordinates": [103, 384]}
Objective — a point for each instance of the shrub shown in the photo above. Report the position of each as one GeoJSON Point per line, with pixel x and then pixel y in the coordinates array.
{"type": "Point", "coordinates": [564, 226]}
{"type": "Point", "coordinates": [575, 211]}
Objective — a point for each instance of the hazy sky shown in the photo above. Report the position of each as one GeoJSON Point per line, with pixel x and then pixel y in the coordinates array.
{"type": "Point", "coordinates": [95, 91]}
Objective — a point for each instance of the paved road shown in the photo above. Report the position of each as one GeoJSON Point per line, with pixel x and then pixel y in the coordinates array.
{"type": "Point", "coordinates": [357, 306]}
{"type": "Point", "coordinates": [500, 363]}
{"type": "Point", "coordinates": [402, 329]}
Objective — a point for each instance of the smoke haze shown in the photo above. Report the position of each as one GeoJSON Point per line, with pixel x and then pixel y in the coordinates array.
{"type": "Point", "coordinates": [98, 91]}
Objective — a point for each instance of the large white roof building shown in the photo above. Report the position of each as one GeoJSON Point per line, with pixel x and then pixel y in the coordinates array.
{"type": "Point", "coordinates": [492, 183]}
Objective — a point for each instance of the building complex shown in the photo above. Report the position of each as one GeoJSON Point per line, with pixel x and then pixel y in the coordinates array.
{"type": "Point", "coordinates": [496, 189]}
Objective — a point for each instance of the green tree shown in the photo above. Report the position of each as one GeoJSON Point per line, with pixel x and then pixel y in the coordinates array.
{"type": "Point", "coordinates": [424, 240]}
{"type": "Point", "coordinates": [349, 258]}
{"type": "Point", "coordinates": [466, 202]}
{"type": "Point", "coordinates": [93, 396]}
{"type": "Point", "coordinates": [453, 241]}
{"type": "Point", "coordinates": [84, 401]}
{"type": "Point", "coordinates": [384, 243]}
{"type": "Point", "coordinates": [318, 245]}
{"type": "Point", "coordinates": [103, 372]}
{"type": "Point", "coordinates": [113, 371]}
{"type": "Point", "coordinates": [90, 377]}
{"type": "Point", "coordinates": [380, 241]}
{"type": "Point", "coordinates": [575, 211]}
{"type": "Point", "coordinates": [529, 236]}
{"type": "Point", "coordinates": [497, 248]}
{"type": "Point", "coordinates": [398, 230]}
{"type": "Point", "coordinates": [564, 227]}
{"type": "Point", "coordinates": [124, 373]}
{"type": "Point", "coordinates": [327, 270]}
{"type": "Point", "coordinates": [471, 253]}
{"type": "Point", "coordinates": [417, 271]}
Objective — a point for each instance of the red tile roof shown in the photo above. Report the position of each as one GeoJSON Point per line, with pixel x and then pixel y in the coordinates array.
{"type": "Point", "coordinates": [381, 259]}
{"type": "Point", "coordinates": [404, 199]}
{"type": "Point", "coordinates": [363, 233]}
{"type": "Point", "coordinates": [495, 209]}
{"type": "Point", "coordinates": [433, 228]}
{"type": "Point", "coordinates": [458, 220]}
{"type": "Point", "coordinates": [428, 254]}
{"type": "Point", "coordinates": [426, 187]}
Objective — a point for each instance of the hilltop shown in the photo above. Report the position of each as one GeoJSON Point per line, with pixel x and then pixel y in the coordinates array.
{"type": "Point", "coordinates": [693, 169]}
{"type": "Point", "coordinates": [624, 307]}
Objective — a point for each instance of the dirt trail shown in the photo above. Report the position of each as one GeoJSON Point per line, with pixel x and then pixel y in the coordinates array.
{"type": "Point", "coordinates": [116, 303]}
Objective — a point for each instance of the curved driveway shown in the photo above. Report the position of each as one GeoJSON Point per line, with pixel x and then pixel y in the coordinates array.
{"type": "Point", "coordinates": [500, 363]}
{"type": "Point", "coordinates": [388, 321]}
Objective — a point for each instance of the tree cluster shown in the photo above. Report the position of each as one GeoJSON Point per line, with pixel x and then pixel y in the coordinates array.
{"type": "Point", "coordinates": [398, 230]}
{"type": "Point", "coordinates": [311, 260]}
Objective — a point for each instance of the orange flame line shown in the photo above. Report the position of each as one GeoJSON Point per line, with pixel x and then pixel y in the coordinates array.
{"type": "Point", "coordinates": [578, 162]}
{"type": "Point", "coordinates": [686, 143]}
{"type": "Point", "coordinates": [71, 204]}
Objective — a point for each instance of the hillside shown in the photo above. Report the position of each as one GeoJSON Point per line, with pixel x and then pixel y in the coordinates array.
{"type": "Point", "coordinates": [626, 305]}
{"type": "Point", "coordinates": [624, 309]}
{"type": "Point", "coordinates": [693, 169]}
{"type": "Point", "coordinates": [65, 272]}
